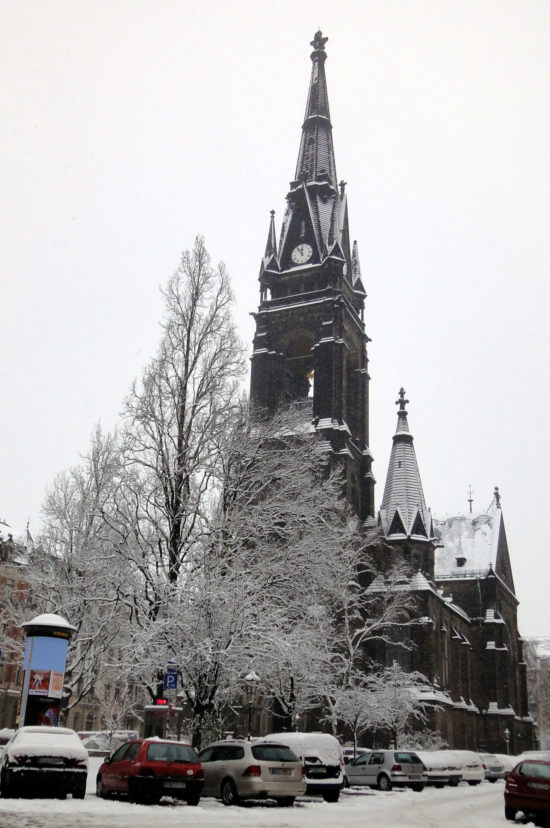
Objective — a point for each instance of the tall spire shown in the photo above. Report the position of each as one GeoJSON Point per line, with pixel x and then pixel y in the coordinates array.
{"type": "Point", "coordinates": [316, 213]}
{"type": "Point", "coordinates": [316, 160]}
{"type": "Point", "coordinates": [403, 512]}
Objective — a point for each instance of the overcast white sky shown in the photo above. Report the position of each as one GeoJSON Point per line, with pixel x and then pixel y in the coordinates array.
{"type": "Point", "coordinates": [131, 126]}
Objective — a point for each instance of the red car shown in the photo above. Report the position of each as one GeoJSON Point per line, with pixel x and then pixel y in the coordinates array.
{"type": "Point", "coordinates": [147, 769]}
{"type": "Point", "coordinates": [527, 789]}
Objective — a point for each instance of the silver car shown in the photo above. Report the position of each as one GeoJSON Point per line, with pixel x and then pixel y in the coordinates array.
{"type": "Point", "coordinates": [237, 769]}
{"type": "Point", "coordinates": [383, 769]}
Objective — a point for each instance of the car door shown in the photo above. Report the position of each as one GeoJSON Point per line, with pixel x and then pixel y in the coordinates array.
{"type": "Point", "coordinates": [206, 756]}
{"type": "Point", "coordinates": [356, 770]}
{"type": "Point", "coordinates": [127, 766]}
{"type": "Point", "coordinates": [372, 768]}
{"type": "Point", "coordinates": [110, 772]}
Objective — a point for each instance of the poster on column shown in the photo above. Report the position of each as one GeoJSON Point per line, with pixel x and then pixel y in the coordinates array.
{"type": "Point", "coordinates": [45, 658]}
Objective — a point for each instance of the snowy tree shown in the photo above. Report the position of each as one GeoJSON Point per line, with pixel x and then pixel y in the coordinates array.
{"type": "Point", "coordinates": [395, 702]}
{"type": "Point", "coordinates": [75, 570]}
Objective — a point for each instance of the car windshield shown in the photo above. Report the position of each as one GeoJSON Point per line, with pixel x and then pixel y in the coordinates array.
{"type": "Point", "coordinates": [274, 753]}
{"type": "Point", "coordinates": [165, 752]}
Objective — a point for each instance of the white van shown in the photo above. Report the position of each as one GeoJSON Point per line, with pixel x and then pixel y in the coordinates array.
{"type": "Point", "coordinates": [323, 761]}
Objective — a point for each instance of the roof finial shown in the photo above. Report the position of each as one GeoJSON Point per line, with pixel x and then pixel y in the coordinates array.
{"type": "Point", "coordinates": [470, 498]}
{"type": "Point", "coordinates": [319, 41]}
{"type": "Point", "coordinates": [497, 497]}
{"type": "Point", "coordinates": [402, 402]}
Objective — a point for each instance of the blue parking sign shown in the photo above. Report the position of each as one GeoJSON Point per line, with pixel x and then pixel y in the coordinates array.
{"type": "Point", "coordinates": [171, 680]}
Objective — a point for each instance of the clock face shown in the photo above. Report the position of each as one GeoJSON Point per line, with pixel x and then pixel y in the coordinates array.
{"type": "Point", "coordinates": [302, 253]}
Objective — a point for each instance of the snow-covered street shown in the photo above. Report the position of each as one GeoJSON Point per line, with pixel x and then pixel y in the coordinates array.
{"type": "Point", "coordinates": [462, 807]}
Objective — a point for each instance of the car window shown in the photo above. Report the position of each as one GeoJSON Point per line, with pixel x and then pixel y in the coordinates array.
{"type": "Point", "coordinates": [119, 752]}
{"type": "Point", "coordinates": [404, 758]}
{"type": "Point", "coordinates": [274, 753]}
{"type": "Point", "coordinates": [132, 750]}
{"type": "Point", "coordinates": [206, 754]}
{"type": "Point", "coordinates": [361, 760]}
{"type": "Point", "coordinates": [165, 752]}
{"type": "Point", "coordinates": [376, 759]}
{"type": "Point", "coordinates": [532, 769]}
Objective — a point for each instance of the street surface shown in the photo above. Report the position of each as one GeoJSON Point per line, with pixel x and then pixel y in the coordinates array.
{"type": "Point", "coordinates": [462, 807]}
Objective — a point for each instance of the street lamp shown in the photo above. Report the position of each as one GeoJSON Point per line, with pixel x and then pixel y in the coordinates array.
{"type": "Point", "coordinates": [507, 738]}
{"type": "Point", "coordinates": [251, 683]}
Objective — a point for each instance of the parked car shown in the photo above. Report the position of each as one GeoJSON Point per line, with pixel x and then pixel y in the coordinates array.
{"type": "Point", "coordinates": [473, 771]}
{"type": "Point", "coordinates": [527, 789]}
{"type": "Point", "coordinates": [494, 768]}
{"type": "Point", "coordinates": [235, 769]}
{"type": "Point", "coordinates": [441, 768]}
{"type": "Point", "coordinates": [44, 760]}
{"type": "Point", "coordinates": [323, 761]}
{"type": "Point", "coordinates": [383, 769]}
{"type": "Point", "coordinates": [509, 762]}
{"type": "Point", "coordinates": [148, 769]}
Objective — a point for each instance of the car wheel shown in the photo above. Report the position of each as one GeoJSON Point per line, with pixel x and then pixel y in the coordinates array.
{"type": "Point", "coordinates": [331, 796]}
{"type": "Point", "coordinates": [100, 789]}
{"type": "Point", "coordinates": [5, 785]}
{"type": "Point", "coordinates": [440, 784]}
{"type": "Point", "coordinates": [193, 799]}
{"type": "Point", "coordinates": [492, 780]}
{"type": "Point", "coordinates": [384, 783]}
{"type": "Point", "coordinates": [509, 813]}
{"type": "Point", "coordinates": [285, 801]}
{"type": "Point", "coordinates": [418, 787]}
{"type": "Point", "coordinates": [79, 791]}
{"type": "Point", "coordinates": [474, 781]}
{"type": "Point", "coordinates": [229, 792]}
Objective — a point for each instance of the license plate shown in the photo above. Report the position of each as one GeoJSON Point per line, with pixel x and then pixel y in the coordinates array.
{"type": "Point", "coordinates": [51, 760]}
{"type": "Point", "coordinates": [175, 784]}
{"type": "Point", "coordinates": [280, 771]}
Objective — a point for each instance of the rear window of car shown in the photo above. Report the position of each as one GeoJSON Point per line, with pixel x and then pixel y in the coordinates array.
{"type": "Point", "coordinates": [164, 752]}
{"type": "Point", "coordinates": [533, 769]}
{"type": "Point", "coordinates": [406, 757]}
{"type": "Point", "coordinates": [274, 753]}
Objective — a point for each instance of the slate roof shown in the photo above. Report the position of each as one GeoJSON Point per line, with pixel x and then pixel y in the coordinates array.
{"type": "Point", "coordinates": [403, 512]}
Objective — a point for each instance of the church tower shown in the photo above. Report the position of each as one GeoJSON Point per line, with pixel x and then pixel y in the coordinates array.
{"type": "Point", "coordinates": [310, 344]}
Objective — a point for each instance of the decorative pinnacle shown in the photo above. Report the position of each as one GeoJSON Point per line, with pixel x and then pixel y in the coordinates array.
{"type": "Point", "coordinates": [497, 497]}
{"type": "Point", "coordinates": [319, 41]}
{"type": "Point", "coordinates": [470, 497]}
{"type": "Point", "coordinates": [402, 402]}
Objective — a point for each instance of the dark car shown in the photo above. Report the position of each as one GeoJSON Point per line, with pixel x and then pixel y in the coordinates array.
{"type": "Point", "coordinates": [147, 769]}
{"type": "Point", "coordinates": [40, 761]}
{"type": "Point", "coordinates": [527, 789]}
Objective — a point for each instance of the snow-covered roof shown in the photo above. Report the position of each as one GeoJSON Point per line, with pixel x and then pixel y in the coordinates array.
{"type": "Point", "coordinates": [49, 619]}
{"type": "Point", "coordinates": [469, 544]}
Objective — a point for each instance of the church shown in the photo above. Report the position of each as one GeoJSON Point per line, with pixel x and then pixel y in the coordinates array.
{"type": "Point", "coordinates": [310, 350]}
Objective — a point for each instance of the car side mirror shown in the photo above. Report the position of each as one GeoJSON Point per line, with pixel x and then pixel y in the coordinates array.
{"type": "Point", "coordinates": [506, 775]}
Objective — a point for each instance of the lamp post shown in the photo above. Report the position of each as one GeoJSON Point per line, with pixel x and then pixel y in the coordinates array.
{"type": "Point", "coordinates": [251, 683]}
{"type": "Point", "coordinates": [507, 738]}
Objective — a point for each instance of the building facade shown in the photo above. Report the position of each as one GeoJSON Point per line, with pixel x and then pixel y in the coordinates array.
{"type": "Point", "coordinates": [310, 350]}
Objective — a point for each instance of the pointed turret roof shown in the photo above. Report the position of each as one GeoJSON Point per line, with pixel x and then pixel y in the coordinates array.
{"type": "Point", "coordinates": [270, 260]}
{"type": "Point", "coordinates": [403, 512]}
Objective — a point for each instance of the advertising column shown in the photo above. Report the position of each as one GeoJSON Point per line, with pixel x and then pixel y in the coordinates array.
{"type": "Point", "coordinates": [45, 660]}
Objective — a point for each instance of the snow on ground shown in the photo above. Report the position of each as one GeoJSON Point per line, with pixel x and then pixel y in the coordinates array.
{"type": "Point", "coordinates": [462, 807]}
